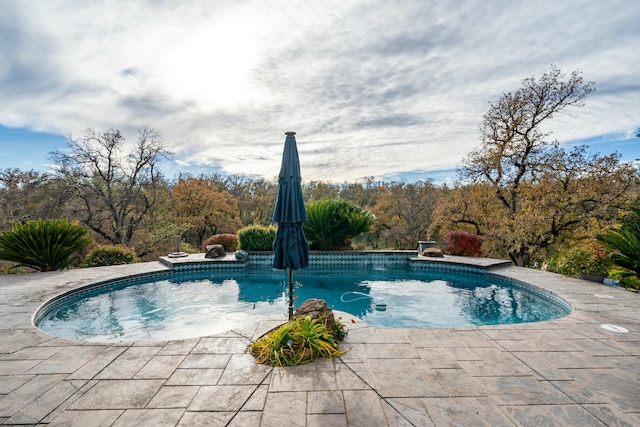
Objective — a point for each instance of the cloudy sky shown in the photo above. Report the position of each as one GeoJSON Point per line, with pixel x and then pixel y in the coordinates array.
{"type": "Point", "coordinates": [372, 88]}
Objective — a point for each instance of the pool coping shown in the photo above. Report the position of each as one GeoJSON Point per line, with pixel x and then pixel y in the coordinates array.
{"type": "Point", "coordinates": [480, 263]}
{"type": "Point", "coordinates": [567, 370]}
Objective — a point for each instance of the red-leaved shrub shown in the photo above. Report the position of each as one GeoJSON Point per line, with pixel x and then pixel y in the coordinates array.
{"type": "Point", "coordinates": [463, 243]}
{"type": "Point", "coordinates": [228, 241]}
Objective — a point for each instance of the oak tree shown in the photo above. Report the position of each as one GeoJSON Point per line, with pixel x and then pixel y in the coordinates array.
{"type": "Point", "coordinates": [23, 196]}
{"type": "Point", "coordinates": [536, 192]}
{"type": "Point", "coordinates": [200, 203]}
{"type": "Point", "coordinates": [259, 201]}
{"type": "Point", "coordinates": [405, 212]}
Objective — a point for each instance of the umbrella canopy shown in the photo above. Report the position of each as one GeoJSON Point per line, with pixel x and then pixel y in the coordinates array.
{"type": "Point", "coordinates": [290, 247]}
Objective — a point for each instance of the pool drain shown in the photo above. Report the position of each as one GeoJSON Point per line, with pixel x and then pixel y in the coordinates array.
{"type": "Point", "coordinates": [614, 328]}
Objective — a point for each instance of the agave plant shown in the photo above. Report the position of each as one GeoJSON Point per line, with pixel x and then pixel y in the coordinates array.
{"type": "Point", "coordinates": [44, 245]}
{"type": "Point", "coordinates": [625, 242]}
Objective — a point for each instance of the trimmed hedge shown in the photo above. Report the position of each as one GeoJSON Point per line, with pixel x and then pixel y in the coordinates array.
{"type": "Point", "coordinates": [257, 237]}
{"type": "Point", "coordinates": [110, 255]}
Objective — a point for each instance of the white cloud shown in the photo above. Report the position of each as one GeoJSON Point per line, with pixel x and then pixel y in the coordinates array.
{"type": "Point", "coordinates": [372, 88]}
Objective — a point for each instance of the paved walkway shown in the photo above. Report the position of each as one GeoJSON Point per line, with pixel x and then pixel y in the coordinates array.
{"type": "Point", "coordinates": [569, 371]}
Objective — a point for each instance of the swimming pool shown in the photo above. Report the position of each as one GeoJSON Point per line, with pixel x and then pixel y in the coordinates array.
{"type": "Point", "coordinates": [181, 305]}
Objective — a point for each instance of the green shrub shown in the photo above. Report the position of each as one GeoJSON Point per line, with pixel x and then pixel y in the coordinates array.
{"type": "Point", "coordinates": [463, 243]}
{"type": "Point", "coordinates": [300, 341]}
{"type": "Point", "coordinates": [257, 238]}
{"type": "Point", "coordinates": [581, 260]}
{"type": "Point", "coordinates": [626, 280]}
{"type": "Point", "coordinates": [334, 222]}
{"type": "Point", "coordinates": [228, 241]}
{"type": "Point", "coordinates": [110, 255]}
{"type": "Point", "coordinates": [44, 245]}
{"type": "Point", "coordinates": [570, 263]}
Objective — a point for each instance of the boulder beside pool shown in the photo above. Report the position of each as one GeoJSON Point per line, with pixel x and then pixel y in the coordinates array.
{"type": "Point", "coordinates": [433, 253]}
{"type": "Point", "coordinates": [215, 251]}
{"type": "Point", "coordinates": [316, 308]}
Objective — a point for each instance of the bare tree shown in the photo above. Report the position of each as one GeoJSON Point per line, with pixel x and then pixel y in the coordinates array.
{"type": "Point", "coordinates": [109, 190]}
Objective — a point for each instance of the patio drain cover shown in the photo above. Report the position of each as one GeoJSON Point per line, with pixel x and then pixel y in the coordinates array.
{"type": "Point", "coordinates": [614, 328]}
{"type": "Point", "coordinates": [603, 296]}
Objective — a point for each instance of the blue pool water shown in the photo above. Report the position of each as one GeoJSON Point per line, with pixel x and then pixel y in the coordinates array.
{"type": "Point", "coordinates": [184, 305]}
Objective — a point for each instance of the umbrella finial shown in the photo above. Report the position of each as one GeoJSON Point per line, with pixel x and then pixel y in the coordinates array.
{"type": "Point", "coordinates": [290, 133]}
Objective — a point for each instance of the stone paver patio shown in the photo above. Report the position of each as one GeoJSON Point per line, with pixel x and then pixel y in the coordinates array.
{"type": "Point", "coordinates": [566, 372]}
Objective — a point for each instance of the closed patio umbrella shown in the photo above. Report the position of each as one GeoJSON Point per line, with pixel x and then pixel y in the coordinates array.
{"type": "Point", "coordinates": [290, 247]}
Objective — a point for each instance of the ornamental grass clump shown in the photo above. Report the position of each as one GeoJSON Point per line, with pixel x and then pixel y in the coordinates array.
{"type": "Point", "coordinates": [300, 341]}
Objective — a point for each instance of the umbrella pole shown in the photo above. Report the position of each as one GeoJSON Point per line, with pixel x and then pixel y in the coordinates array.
{"type": "Point", "coordinates": [290, 294]}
